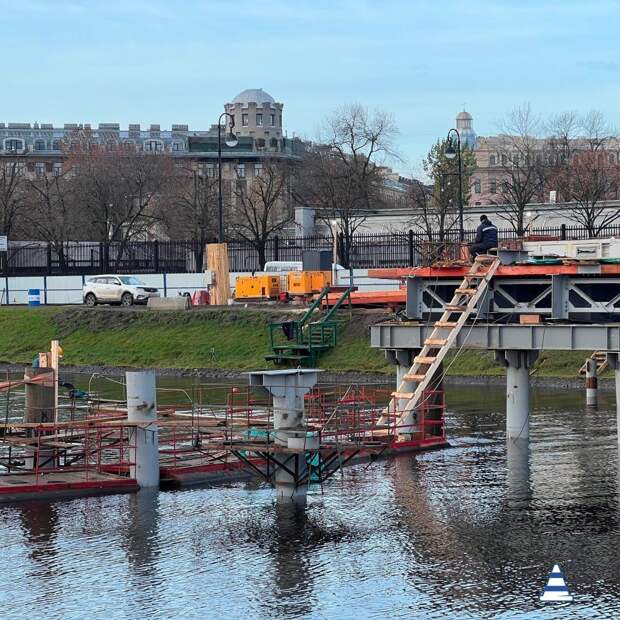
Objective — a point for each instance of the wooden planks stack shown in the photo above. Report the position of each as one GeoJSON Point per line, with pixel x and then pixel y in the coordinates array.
{"type": "Point", "coordinates": [217, 263]}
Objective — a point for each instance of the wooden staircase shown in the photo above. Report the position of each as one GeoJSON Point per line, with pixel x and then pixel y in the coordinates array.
{"type": "Point", "coordinates": [600, 357]}
{"type": "Point", "coordinates": [443, 336]}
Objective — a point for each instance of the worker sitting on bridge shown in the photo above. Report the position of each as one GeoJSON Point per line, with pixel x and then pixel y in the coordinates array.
{"type": "Point", "coordinates": [486, 237]}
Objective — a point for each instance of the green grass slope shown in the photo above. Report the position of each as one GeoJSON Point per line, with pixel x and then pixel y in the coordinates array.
{"type": "Point", "coordinates": [224, 339]}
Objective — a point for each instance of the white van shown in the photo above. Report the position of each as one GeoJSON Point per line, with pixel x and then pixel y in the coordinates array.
{"type": "Point", "coordinates": [284, 266]}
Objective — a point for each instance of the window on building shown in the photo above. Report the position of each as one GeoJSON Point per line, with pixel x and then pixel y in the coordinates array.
{"type": "Point", "coordinates": [259, 120]}
{"type": "Point", "coordinates": [210, 170]}
{"type": "Point", "coordinates": [57, 169]}
{"type": "Point", "coordinates": [153, 146]}
{"type": "Point", "coordinates": [240, 170]}
{"type": "Point", "coordinates": [273, 143]}
{"type": "Point", "coordinates": [39, 145]}
{"type": "Point", "coordinates": [244, 120]}
{"type": "Point", "coordinates": [13, 145]}
{"type": "Point", "coordinates": [612, 158]}
{"type": "Point", "coordinates": [177, 146]}
{"type": "Point", "coordinates": [491, 160]}
{"type": "Point", "coordinates": [493, 186]}
{"type": "Point", "coordinates": [272, 118]}
{"type": "Point", "coordinates": [260, 143]}
{"type": "Point", "coordinates": [39, 168]}
{"type": "Point", "coordinates": [477, 187]}
{"type": "Point", "coordinates": [504, 159]}
{"type": "Point", "coordinates": [57, 145]}
{"type": "Point", "coordinates": [258, 170]}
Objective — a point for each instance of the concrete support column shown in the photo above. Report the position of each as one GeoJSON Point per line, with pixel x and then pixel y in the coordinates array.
{"type": "Point", "coordinates": [613, 359]}
{"type": "Point", "coordinates": [403, 359]}
{"type": "Point", "coordinates": [142, 408]}
{"type": "Point", "coordinates": [591, 383]}
{"type": "Point", "coordinates": [518, 364]}
{"type": "Point", "coordinates": [288, 388]}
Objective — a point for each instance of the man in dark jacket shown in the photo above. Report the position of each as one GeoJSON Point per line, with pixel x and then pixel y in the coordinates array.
{"type": "Point", "coordinates": [486, 237]}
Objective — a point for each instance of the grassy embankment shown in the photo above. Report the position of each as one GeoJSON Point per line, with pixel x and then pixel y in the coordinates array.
{"type": "Point", "coordinates": [222, 339]}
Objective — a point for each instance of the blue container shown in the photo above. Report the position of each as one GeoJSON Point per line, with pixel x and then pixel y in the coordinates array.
{"type": "Point", "coordinates": [34, 296]}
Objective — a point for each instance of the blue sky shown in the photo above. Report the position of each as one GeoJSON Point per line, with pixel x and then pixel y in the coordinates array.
{"type": "Point", "coordinates": [155, 61]}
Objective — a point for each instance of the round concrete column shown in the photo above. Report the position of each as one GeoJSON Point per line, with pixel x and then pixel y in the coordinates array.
{"type": "Point", "coordinates": [591, 383]}
{"type": "Point", "coordinates": [142, 408]}
{"type": "Point", "coordinates": [517, 402]}
{"type": "Point", "coordinates": [518, 364]}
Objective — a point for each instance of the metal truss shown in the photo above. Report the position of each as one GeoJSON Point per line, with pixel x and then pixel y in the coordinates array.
{"type": "Point", "coordinates": [558, 297]}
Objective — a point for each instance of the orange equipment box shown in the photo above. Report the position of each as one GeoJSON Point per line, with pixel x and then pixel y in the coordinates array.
{"type": "Point", "coordinates": [257, 287]}
{"type": "Point", "coordinates": [308, 282]}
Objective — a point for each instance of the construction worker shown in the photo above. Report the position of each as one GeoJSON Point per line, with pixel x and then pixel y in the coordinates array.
{"type": "Point", "coordinates": [486, 237]}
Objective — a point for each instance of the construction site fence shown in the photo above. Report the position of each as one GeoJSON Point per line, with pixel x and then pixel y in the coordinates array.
{"type": "Point", "coordinates": [407, 248]}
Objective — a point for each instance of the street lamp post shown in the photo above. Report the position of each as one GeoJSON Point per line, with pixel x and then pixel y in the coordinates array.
{"type": "Point", "coordinates": [231, 141]}
{"type": "Point", "coordinates": [451, 153]}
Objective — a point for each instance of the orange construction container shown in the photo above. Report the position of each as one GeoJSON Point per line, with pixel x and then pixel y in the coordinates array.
{"type": "Point", "coordinates": [308, 282]}
{"type": "Point", "coordinates": [257, 287]}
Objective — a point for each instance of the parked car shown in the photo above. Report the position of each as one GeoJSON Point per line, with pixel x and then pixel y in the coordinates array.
{"type": "Point", "coordinates": [123, 290]}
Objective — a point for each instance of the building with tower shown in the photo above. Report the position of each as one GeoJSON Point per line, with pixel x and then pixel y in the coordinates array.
{"type": "Point", "coordinates": [464, 125]}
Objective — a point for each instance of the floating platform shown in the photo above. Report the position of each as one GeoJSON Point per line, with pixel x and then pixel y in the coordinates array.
{"type": "Point", "coordinates": [62, 484]}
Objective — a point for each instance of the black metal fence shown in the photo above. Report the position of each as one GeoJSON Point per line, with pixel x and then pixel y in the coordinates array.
{"type": "Point", "coordinates": [368, 250]}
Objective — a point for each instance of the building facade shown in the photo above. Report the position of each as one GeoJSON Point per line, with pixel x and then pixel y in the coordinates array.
{"type": "Point", "coordinates": [494, 154]}
{"type": "Point", "coordinates": [41, 148]}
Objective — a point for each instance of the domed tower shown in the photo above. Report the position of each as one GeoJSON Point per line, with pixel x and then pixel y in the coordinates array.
{"type": "Point", "coordinates": [464, 125]}
{"type": "Point", "coordinates": [258, 116]}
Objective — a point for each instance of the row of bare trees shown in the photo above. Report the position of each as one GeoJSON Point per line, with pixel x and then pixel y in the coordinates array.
{"type": "Point", "coordinates": [573, 155]}
{"type": "Point", "coordinates": [113, 192]}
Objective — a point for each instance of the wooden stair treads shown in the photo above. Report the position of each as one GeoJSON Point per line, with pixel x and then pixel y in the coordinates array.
{"type": "Point", "coordinates": [426, 364]}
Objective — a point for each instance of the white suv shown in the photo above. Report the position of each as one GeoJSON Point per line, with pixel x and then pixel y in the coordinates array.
{"type": "Point", "coordinates": [123, 290]}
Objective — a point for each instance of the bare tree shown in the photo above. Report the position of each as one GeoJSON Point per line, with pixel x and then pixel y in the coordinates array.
{"type": "Point", "coordinates": [585, 174]}
{"type": "Point", "coordinates": [341, 176]}
{"type": "Point", "coordinates": [192, 194]}
{"type": "Point", "coordinates": [261, 208]}
{"type": "Point", "coordinates": [119, 188]}
{"type": "Point", "coordinates": [11, 194]}
{"type": "Point", "coordinates": [522, 163]}
{"type": "Point", "coordinates": [52, 213]}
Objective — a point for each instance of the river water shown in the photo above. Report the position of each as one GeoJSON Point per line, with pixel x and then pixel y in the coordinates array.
{"type": "Point", "coordinates": [466, 532]}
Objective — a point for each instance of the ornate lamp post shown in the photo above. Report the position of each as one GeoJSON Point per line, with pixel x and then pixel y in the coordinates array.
{"type": "Point", "coordinates": [231, 141]}
{"type": "Point", "coordinates": [451, 153]}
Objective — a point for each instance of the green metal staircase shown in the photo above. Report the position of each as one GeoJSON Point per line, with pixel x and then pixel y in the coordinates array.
{"type": "Point", "coordinates": [301, 342]}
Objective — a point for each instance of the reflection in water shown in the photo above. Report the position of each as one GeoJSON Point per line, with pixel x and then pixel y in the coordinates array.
{"type": "Point", "coordinates": [518, 468]}
{"type": "Point", "coordinates": [470, 531]}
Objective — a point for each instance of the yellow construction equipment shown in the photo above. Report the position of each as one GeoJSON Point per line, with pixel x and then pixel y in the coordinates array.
{"type": "Point", "coordinates": [308, 282]}
{"type": "Point", "coordinates": [257, 287]}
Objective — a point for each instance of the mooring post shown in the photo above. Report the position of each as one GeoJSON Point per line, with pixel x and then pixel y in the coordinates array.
{"type": "Point", "coordinates": [613, 359]}
{"type": "Point", "coordinates": [591, 383]}
{"type": "Point", "coordinates": [39, 407]}
{"type": "Point", "coordinates": [288, 388]}
{"type": "Point", "coordinates": [142, 409]}
{"type": "Point", "coordinates": [518, 364]}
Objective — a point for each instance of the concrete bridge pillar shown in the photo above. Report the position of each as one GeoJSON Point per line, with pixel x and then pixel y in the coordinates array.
{"type": "Point", "coordinates": [613, 359]}
{"type": "Point", "coordinates": [142, 408]}
{"type": "Point", "coordinates": [518, 365]}
{"type": "Point", "coordinates": [288, 388]}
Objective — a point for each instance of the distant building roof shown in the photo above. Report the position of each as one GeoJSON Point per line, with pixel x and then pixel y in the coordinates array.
{"type": "Point", "coordinates": [253, 95]}
{"type": "Point", "coordinates": [464, 116]}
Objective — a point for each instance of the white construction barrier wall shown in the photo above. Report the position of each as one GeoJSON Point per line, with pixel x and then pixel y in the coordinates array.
{"type": "Point", "coordinates": [68, 289]}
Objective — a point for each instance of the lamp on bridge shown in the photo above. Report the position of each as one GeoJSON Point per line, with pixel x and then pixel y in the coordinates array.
{"type": "Point", "coordinates": [451, 152]}
{"type": "Point", "coordinates": [231, 141]}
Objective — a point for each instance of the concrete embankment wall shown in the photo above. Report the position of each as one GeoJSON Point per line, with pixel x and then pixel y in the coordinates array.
{"type": "Point", "coordinates": [68, 289]}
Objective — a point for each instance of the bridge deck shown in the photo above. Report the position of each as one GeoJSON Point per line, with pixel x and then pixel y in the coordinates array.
{"type": "Point", "coordinates": [488, 336]}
